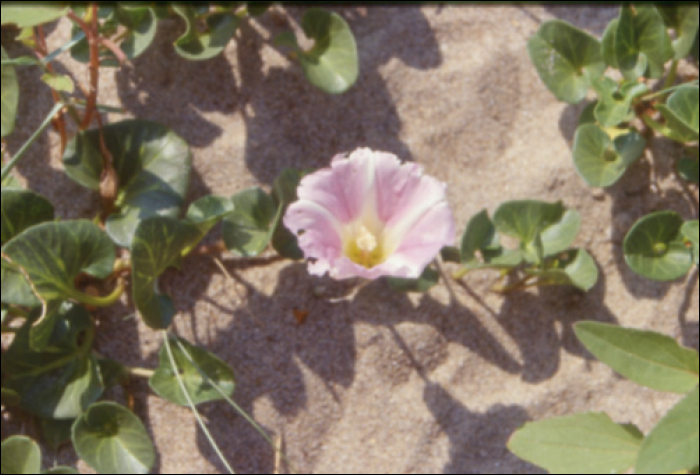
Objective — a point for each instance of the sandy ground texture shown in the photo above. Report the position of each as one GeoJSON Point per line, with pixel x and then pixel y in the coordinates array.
{"type": "Point", "coordinates": [383, 382]}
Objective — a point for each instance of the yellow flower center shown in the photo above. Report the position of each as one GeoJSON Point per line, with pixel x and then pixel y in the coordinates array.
{"type": "Point", "coordinates": [365, 249]}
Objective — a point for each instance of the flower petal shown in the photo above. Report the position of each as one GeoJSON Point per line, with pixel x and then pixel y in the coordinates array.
{"type": "Point", "coordinates": [321, 238]}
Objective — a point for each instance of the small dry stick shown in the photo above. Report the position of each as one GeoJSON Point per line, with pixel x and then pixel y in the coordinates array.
{"type": "Point", "coordinates": [231, 280]}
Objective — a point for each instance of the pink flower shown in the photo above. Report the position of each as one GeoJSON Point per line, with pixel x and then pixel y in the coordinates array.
{"type": "Point", "coordinates": [371, 216]}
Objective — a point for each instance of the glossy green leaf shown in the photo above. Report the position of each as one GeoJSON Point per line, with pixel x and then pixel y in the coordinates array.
{"type": "Point", "coordinates": [9, 92]}
{"type": "Point", "coordinates": [56, 433]}
{"type": "Point", "coordinates": [248, 231]}
{"type": "Point", "coordinates": [285, 193]}
{"type": "Point", "coordinates": [141, 24]}
{"type": "Point", "coordinates": [21, 209]}
{"type": "Point", "coordinates": [525, 220]}
{"type": "Point", "coordinates": [480, 235]}
{"type": "Point", "coordinates": [15, 288]}
{"type": "Point", "coordinates": [600, 160]}
{"type": "Point", "coordinates": [429, 279]}
{"type": "Point", "coordinates": [158, 244]}
{"type": "Point", "coordinates": [642, 36]}
{"type": "Point", "coordinates": [558, 237]}
{"type": "Point", "coordinates": [673, 445]}
{"type": "Point", "coordinates": [20, 455]}
{"type": "Point", "coordinates": [690, 232]}
{"type": "Point", "coordinates": [684, 19]}
{"type": "Point", "coordinates": [615, 107]}
{"type": "Point", "coordinates": [196, 45]}
{"type": "Point", "coordinates": [578, 444]}
{"type": "Point", "coordinates": [111, 439]}
{"type": "Point", "coordinates": [689, 169]}
{"type": "Point", "coordinates": [500, 258]}
{"type": "Point", "coordinates": [682, 112]}
{"type": "Point", "coordinates": [191, 362]}
{"type": "Point", "coordinates": [647, 358]}
{"type": "Point", "coordinates": [153, 165]}
{"type": "Point", "coordinates": [332, 64]}
{"type": "Point", "coordinates": [54, 254]}
{"type": "Point", "coordinates": [566, 58]}
{"type": "Point", "coordinates": [610, 53]}
{"type": "Point", "coordinates": [27, 15]}
{"type": "Point", "coordinates": [62, 380]}
{"type": "Point", "coordinates": [654, 247]}
{"type": "Point", "coordinates": [574, 267]}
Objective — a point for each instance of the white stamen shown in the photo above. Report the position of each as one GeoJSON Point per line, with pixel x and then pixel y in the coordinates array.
{"type": "Point", "coordinates": [366, 241]}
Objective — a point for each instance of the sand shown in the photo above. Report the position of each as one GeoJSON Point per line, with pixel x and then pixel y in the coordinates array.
{"type": "Point", "coordinates": [381, 382]}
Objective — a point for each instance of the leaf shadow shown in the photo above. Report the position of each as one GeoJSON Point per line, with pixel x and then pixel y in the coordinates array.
{"type": "Point", "coordinates": [290, 123]}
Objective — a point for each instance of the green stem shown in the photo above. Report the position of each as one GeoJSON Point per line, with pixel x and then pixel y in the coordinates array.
{"type": "Point", "coordinates": [7, 168]}
{"type": "Point", "coordinates": [671, 78]}
{"type": "Point", "coordinates": [460, 274]}
{"type": "Point", "coordinates": [235, 406]}
{"type": "Point", "coordinates": [107, 301]}
{"type": "Point", "coordinates": [173, 364]}
{"type": "Point", "coordinates": [665, 91]}
{"type": "Point", "coordinates": [520, 285]}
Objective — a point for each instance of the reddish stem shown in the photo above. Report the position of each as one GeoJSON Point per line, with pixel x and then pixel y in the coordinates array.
{"type": "Point", "coordinates": [92, 34]}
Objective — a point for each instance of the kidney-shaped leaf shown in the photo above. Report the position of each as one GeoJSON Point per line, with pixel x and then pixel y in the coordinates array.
{"type": "Point", "coordinates": [141, 24]}
{"type": "Point", "coordinates": [574, 267]}
{"type": "Point", "coordinates": [566, 58]}
{"type": "Point", "coordinates": [20, 455]}
{"type": "Point", "coordinates": [690, 232]}
{"type": "Point", "coordinates": [682, 112]}
{"type": "Point", "coordinates": [196, 45]}
{"type": "Point", "coordinates": [111, 439]}
{"type": "Point", "coordinates": [27, 15]}
{"type": "Point", "coordinates": [582, 443]}
{"type": "Point", "coordinates": [480, 235]}
{"type": "Point", "coordinates": [61, 381]}
{"type": "Point", "coordinates": [559, 236]}
{"type": "Point", "coordinates": [673, 445]}
{"type": "Point", "coordinates": [9, 91]}
{"type": "Point", "coordinates": [153, 165]}
{"type": "Point", "coordinates": [614, 107]}
{"type": "Point", "coordinates": [21, 210]}
{"type": "Point", "coordinates": [248, 230]}
{"type": "Point", "coordinates": [684, 19]}
{"type": "Point", "coordinates": [332, 64]}
{"type": "Point", "coordinates": [642, 37]}
{"type": "Point", "coordinates": [654, 247]}
{"type": "Point", "coordinates": [600, 160]}
{"type": "Point", "coordinates": [647, 358]}
{"type": "Point", "coordinates": [191, 362]}
{"type": "Point", "coordinates": [284, 193]}
{"type": "Point", "coordinates": [525, 220]}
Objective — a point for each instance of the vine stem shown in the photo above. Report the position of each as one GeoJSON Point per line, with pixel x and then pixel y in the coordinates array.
{"type": "Point", "coordinates": [107, 301]}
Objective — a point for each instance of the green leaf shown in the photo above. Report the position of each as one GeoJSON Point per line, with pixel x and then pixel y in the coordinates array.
{"type": "Point", "coordinates": [9, 91]}
{"type": "Point", "coordinates": [642, 37]}
{"type": "Point", "coordinates": [15, 288]}
{"type": "Point", "coordinates": [574, 267]}
{"type": "Point", "coordinates": [654, 247]}
{"type": "Point", "coordinates": [525, 220]}
{"type": "Point", "coordinates": [20, 455]}
{"type": "Point", "coordinates": [566, 58]}
{"type": "Point", "coordinates": [451, 254]}
{"type": "Point", "coordinates": [684, 19]}
{"type": "Point", "coordinates": [647, 358]}
{"type": "Point", "coordinates": [429, 279]}
{"type": "Point", "coordinates": [56, 433]}
{"type": "Point", "coordinates": [61, 471]}
{"type": "Point", "coordinates": [600, 160]}
{"type": "Point", "coordinates": [21, 209]}
{"type": "Point", "coordinates": [153, 165]}
{"type": "Point", "coordinates": [10, 398]}
{"type": "Point", "coordinates": [196, 45]}
{"type": "Point", "coordinates": [582, 443]}
{"type": "Point", "coordinates": [480, 235]}
{"type": "Point", "coordinates": [690, 232]}
{"type": "Point", "coordinates": [11, 182]}
{"type": "Point", "coordinates": [62, 380]}
{"type": "Point", "coordinates": [158, 244]}
{"type": "Point", "coordinates": [59, 82]}
{"type": "Point", "coordinates": [111, 439]}
{"type": "Point", "coordinates": [248, 231]}
{"type": "Point", "coordinates": [332, 64]}
{"type": "Point", "coordinates": [141, 24]}
{"type": "Point", "coordinates": [689, 169]}
{"type": "Point", "coordinates": [284, 193]}
{"type": "Point", "coordinates": [54, 254]}
{"type": "Point", "coordinates": [681, 112]}
{"type": "Point", "coordinates": [191, 362]}
{"type": "Point", "coordinates": [673, 444]}
{"type": "Point", "coordinates": [559, 236]}
{"type": "Point", "coordinates": [615, 107]}
{"type": "Point", "coordinates": [27, 15]}
{"type": "Point", "coordinates": [113, 373]}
